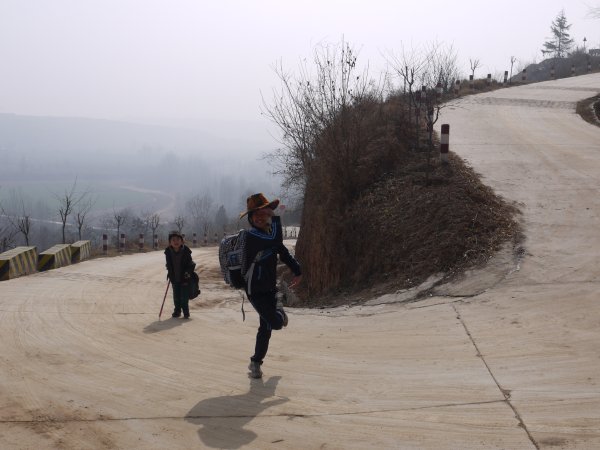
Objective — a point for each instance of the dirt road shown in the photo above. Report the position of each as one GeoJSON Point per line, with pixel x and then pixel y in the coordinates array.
{"type": "Point", "coordinates": [514, 364]}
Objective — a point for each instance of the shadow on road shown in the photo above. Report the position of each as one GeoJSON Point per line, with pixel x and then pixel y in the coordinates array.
{"type": "Point", "coordinates": [222, 419]}
{"type": "Point", "coordinates": [162, 325]}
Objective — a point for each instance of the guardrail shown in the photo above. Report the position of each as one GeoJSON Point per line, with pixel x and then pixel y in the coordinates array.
{"type": "Point", "coordinates": [21, 261]}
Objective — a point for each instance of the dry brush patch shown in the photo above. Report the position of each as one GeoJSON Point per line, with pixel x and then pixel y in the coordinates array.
{"type": "Point", "coordinates": [395, 217]}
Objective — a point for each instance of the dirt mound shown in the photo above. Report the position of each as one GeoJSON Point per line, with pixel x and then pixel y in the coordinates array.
{"type": "Point", "coordinates": [415, 224]}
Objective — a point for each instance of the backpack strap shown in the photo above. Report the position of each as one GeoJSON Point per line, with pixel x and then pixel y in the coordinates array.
{"type": "Point", "coordinates": [243, 295]}
{"type": "Point", "coordinates": [251, 271]}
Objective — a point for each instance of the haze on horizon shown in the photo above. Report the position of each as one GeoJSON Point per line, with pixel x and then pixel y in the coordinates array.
{"type": "Point", "coordinates": [205, 65]}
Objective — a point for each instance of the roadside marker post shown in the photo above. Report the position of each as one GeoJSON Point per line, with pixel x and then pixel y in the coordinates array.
{"type": "Point", "coordinates": [444, 143]}
{"type": "Point", "coordinates": [105, 244]}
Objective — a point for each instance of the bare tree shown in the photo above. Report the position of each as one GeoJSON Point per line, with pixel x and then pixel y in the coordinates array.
{"type": "Point", "coordinates": [442, 66]}
{"type": "Point", "coordinates": [179, 223]}
{"type": "Point", "coordinates": [81, 213]}
{"type": "Point", "coordinates": [200, 208]}
{"type": "Point", "coordinates": [119, 220]}
{"type": "Point", "coordinates": [67, 202]}
{"type": "Point", "coordinates": [475, 64]}
{"type": "Point", "coordinates": [410, 66]}
{"type": "Point", "coordinates": [308, 106]}
{"type": "Point", "coordinates": [7, 231]}
{"type": "Point", "coordinates": [154, 222]}
{"type": "Point", "coordinates": [7, 238]}
{"type": "Point", "coordinates": [19, 215]}
{"type": "Point", "coordinates": [422, 71]}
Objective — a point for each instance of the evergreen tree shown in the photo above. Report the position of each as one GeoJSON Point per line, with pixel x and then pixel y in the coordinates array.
{"type": "Point", "coordinates": [560, 43]}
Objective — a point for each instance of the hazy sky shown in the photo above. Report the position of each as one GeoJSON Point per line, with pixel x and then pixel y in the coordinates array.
{"type": "Point", "coordinates": [191, 59]}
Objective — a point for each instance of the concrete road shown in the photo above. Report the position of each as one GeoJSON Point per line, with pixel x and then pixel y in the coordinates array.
{"type": "Point", "coordinates": [508, 364]}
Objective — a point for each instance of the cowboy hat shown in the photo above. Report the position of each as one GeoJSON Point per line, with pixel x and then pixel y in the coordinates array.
{"type": "Point", "coordinates": [258, 201]}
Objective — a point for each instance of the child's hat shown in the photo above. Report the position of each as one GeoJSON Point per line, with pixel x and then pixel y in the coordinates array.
{"type": "Point", "coordinates": [175, 233]}
{"type": "Point", "coordinates": [258, 201]}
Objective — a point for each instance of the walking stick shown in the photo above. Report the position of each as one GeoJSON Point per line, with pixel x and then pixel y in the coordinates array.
{"type": "Point", "coordinates": [164, 298]}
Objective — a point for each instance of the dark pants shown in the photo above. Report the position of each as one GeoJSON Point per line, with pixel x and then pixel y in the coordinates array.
{"type": "Point", "coordinates": [270, 319]}
{"type": "Point", "coordinates": [181, 298]}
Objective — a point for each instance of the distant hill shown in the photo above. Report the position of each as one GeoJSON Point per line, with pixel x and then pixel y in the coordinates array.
{"type": "Point", "coordinates": [31, 146]}
{"type": "Point", "coordinates": [562, 68]}
{"type": "Point", "coordinates": [72, 136]}
{"type": "Point", "coordinates": [171, 159]}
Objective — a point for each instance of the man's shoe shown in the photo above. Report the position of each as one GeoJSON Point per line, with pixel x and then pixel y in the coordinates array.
{"type": "Point", "coordinates": [176, 314]}
{"type": "Point", "coordinates": [255, 370]}
{"type": "Point", "coordinates": [186, 316]}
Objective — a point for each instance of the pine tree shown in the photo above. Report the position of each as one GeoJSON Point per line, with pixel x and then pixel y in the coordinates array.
{"type": "Point", "coordinates": [560, 43]}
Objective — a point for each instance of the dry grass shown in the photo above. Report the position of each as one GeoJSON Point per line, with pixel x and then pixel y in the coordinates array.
{"type": "Point", "coordinates": [406, 218]}
{"type": "Point", "coordinates": [404, 229]}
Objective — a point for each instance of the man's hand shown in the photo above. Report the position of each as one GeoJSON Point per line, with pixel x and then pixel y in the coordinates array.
{"type": "Point", "coordinates": [295, 281]}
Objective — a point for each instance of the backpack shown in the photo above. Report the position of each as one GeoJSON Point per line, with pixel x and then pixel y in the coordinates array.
{"type": "Point", "coordinates": [232, 251]}
{"type": "Point", "coordinates": [194, 286]}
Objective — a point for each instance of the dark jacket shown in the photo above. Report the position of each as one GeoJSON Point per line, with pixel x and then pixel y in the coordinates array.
{"type": "Point", "coordinates": [269, 245]}
{"type": "Point", "coordinates": [187, 265]}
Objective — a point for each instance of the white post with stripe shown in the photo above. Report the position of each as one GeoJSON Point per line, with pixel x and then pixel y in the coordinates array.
{"type": "Point", "coordinates": [444, 143]}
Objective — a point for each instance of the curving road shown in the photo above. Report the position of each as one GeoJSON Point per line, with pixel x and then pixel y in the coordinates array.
{"type": "Point", "coordinates": [86, 364]}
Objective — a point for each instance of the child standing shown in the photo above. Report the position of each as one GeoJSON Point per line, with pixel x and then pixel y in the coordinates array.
{"type": "Point", "coordinates": [180, 267]}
